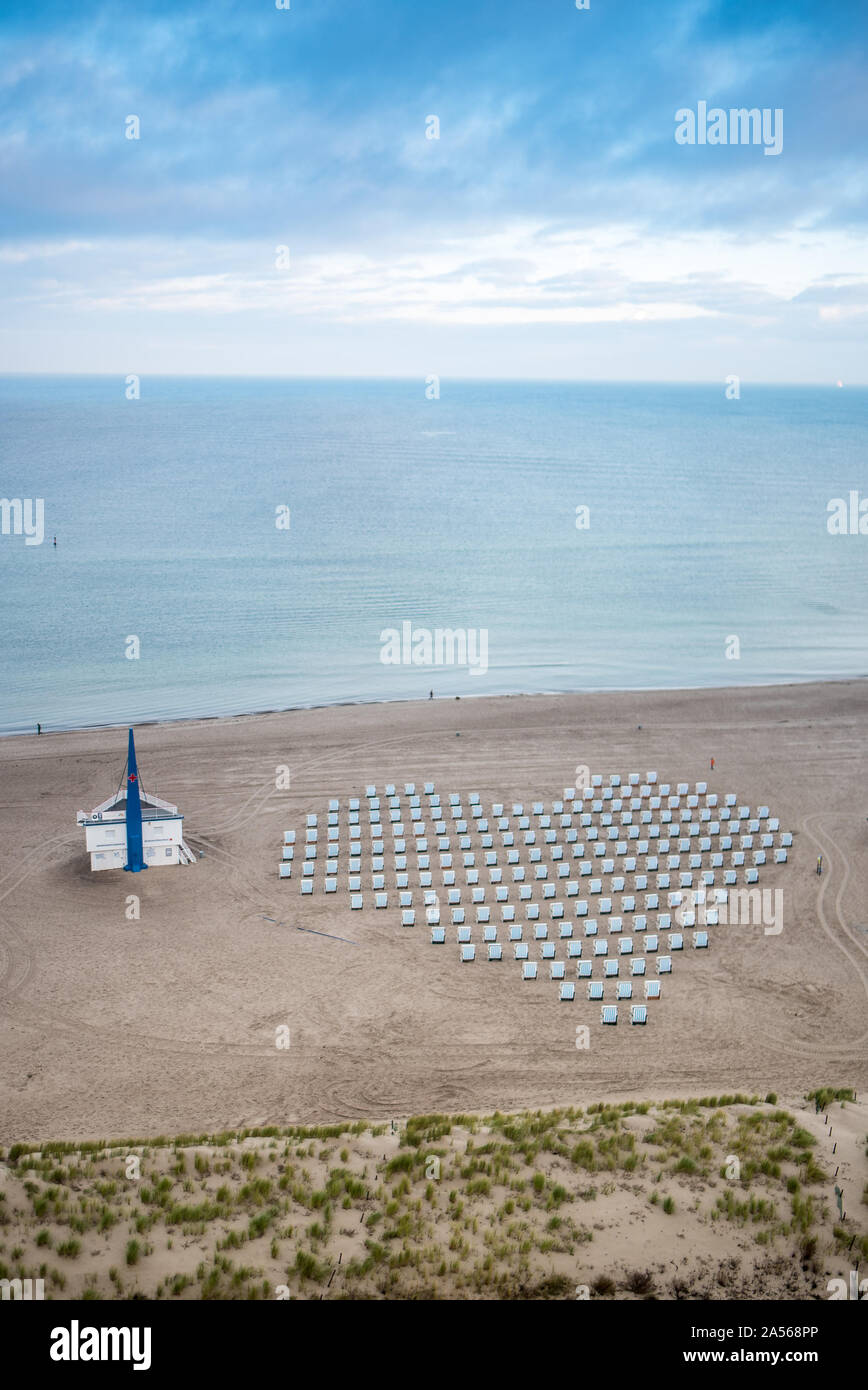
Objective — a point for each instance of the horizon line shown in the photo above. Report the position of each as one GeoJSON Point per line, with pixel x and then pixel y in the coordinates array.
{"type": "Point", "coordinates": [818, 383]}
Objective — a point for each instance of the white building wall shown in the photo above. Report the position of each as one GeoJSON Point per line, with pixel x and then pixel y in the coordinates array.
{"type": "Point", "coordinates": [160, 841]}
{"type": "Point", "coordinates": [107, 843]}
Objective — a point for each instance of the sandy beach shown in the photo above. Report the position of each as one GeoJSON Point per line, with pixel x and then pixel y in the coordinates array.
{"type": "Point", "coordinates": [116, 1027]}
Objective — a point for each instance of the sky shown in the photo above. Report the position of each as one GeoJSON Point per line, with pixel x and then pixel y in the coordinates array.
{"type": "Point", "coordinates": [555, 229]}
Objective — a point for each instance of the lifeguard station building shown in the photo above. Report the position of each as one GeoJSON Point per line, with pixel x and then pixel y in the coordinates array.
{"type": "Point", "coordinates": [133, 829]}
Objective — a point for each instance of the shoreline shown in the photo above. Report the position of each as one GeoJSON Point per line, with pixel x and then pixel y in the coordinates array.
{"type": "Point", "coordinates": [674, 690]}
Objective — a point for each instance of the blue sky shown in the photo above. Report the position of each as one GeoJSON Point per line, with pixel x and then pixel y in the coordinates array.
{"type": "Point", "coordinates": [554, 229]}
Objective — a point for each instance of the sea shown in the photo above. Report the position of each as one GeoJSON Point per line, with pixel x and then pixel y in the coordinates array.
{"type": "Point", "coordinates": [234, 545]}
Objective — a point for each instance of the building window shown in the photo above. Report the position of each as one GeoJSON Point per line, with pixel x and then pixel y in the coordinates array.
{"type": "Point", "coordinates": [168, 852]}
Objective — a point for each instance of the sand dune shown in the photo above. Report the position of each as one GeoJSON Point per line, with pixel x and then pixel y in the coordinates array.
{"type": "Point", "coordinates": [730, 1199]}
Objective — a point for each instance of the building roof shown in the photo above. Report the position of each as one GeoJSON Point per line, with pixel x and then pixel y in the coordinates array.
{"type": "Point", "coordinates": [113, 809]}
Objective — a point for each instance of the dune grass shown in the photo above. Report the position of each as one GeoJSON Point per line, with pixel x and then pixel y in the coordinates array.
{"type": "Point", "coordinates": [492, 1206]}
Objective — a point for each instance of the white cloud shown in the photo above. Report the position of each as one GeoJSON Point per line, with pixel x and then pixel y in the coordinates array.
{"type": "Point", "coordinates": [523, 274]}
{"type": "Point", "coordinates": [37, 251]}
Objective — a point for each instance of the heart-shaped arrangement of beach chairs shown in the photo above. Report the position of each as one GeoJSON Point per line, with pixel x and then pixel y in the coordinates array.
{"type": "Point", "coordinates": [597, 890]}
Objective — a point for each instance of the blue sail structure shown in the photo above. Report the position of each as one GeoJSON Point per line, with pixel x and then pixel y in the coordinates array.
{"type": "Point", "coordinates": [135, 852]}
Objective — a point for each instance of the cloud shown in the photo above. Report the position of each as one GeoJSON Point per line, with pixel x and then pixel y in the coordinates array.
{"type": "Point", "coordinates": [520, 275]}
{"type": "Point", "coordinates": [556, 196]}
{"type": "Point", "coordinates": [315, 118]}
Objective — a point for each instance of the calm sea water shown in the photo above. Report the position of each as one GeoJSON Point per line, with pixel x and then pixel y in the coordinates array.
{"type": "Point", "coordinates": [707, 521]}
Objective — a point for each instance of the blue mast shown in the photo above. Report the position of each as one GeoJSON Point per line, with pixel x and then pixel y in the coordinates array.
{"type": "Point", "coordinates": [135, 854]}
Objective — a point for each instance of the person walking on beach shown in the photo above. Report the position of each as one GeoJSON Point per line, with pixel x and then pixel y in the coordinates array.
{"type": "Point", "coordinates": [819, 864]}
{"type": "Point", "coordinates": [39, 728]}
{"type": "Point", "coordinates": [712, 764]}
